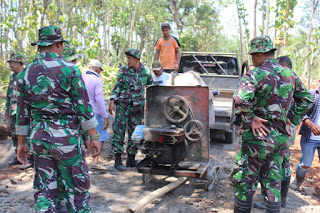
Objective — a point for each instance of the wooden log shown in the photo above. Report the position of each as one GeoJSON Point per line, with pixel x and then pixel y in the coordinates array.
{"type": "Point", "coordinates": [157, 193]}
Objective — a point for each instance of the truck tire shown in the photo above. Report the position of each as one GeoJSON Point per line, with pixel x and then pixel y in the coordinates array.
{"type": "Point", "coordinates": [230, 136]}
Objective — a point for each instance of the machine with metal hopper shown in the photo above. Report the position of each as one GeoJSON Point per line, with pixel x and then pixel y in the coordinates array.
{"type": "Point", "coordinates": [175, 138]}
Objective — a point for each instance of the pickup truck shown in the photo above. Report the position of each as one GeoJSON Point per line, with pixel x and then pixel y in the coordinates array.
{"type": "Point", "coordinates": [221, 73]}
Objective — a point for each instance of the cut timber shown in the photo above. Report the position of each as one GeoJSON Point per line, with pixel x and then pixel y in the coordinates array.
{"type": "Point", "coordinates": [155, 194]}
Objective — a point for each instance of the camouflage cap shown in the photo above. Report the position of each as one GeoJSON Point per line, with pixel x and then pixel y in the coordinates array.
{"type": "Point", "coordinates": [49, 35]}
{"type": "Point", "coordinates": [133, 52]}
{"type": "Point", "coordinates": [261, 44]}
{"type": "Point", "coordinates": [15, 57]}
{"type": "Point", "coordinates": [69, 53]}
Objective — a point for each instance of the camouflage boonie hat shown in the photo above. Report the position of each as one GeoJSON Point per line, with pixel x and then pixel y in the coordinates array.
{"type": "Point", "coordinates": [133, 52]}
{"type": "Point", "coordinates": [15, 57]}
{"type": "Point", "coordinates": [261, 44]}
{"type": "Point", "coordinates": [49, 35]}
{"type": "Point", "coordinates": [69, 53]}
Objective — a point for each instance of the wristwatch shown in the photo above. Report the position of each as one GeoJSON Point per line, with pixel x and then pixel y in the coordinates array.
{"type": "Point", "coordinates": [96, 137]}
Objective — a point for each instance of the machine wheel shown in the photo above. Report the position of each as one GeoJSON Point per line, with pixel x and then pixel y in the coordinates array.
{"type": "Point", "coordinates": [194, 130]}
{"type": "Point", "coordinates": [230, 136]}
{"type": "Point", "coordinates": [212, 177]}
{"type": "Point", "coordinates": [146, 178]}
{"type": "Point", "coordinates": [176, 109]}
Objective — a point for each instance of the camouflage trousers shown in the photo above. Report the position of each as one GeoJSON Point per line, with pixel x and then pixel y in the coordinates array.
{"type": "Point", "coordinates": [129, 116]}
{"type": "Point", "coordinates": [286, 172]}
{"type": "Point", "coordinates": [259, 160]}
{"type": "Point", "coordinates": [61, 172]}
{"type": "Point", "coordinates": [13, 131]}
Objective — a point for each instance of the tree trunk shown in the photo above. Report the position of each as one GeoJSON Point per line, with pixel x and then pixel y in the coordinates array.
{"type": "Point", "coordinates": [266, 26]}
{"type": "Point", "coordinates": [1, 33]}
{"type": "Point", "coordinates": [130, 22]}
{"type": "Point", "coordinates": [246, 49]}
{"type": "Point", "coordinates": [285, 29]}
{"type": "Point", "coordinates": [142, 35]}
{"type": "Point", "coordinates": [5, 30]}
{"type": "Point", "coordinates": [255, 19]}
{"type": "Point", "coordinates": [319, 66]}
{"type": "Point", "coordinates": [16, 34]}
{"type": "Point", "coordinates": [176, 7]}
{"type": "Point", "coordinates": [64, 22]}
{"type": "Point", "coordinates": [28, 23]}
{"type": "Point", "coordinates": [275, 33]}
{"type": "Point", "coordinates": [241, 34]}
{"type": "Point", "coordinates": [108, 39]}
{"type": "Point", "coordinates": [132, 18]}
{"type": "Point", "coordinates": [22, 12]}
{"type": "Point", "coordinates": [306, 62]}
{"type": "Point", "coordinates": [310, 70]}
{"type": "Point", "coordinates": [58, 12]}
{"type": "Point", "coordinates": [101, 51]}
{"type": "Point", "coordinates": [263, 7]}
{"type": "Point", "coordinates": [45, 6]}
{"type": "Point", "coordinates": [105, 29]}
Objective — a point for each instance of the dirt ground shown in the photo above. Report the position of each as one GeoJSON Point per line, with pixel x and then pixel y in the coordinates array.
{"type": "Point", "coordinates": [114, 191]}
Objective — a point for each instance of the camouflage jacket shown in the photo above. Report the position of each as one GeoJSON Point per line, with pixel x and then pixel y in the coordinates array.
{"type": "Point", "coordinates": [130, 84]}
{"type": "Point", "coordinates": [268, 92]}
{"type": "Point", "coordinates": [11, 101]}
{"type": "Point", "coordinates": [52, 94]}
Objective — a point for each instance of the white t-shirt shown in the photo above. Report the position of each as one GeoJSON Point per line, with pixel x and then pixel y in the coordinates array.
{"type": "Point", "coordinates": [317, 122]}
{"type": "Point", "coordinates": [161, 80]}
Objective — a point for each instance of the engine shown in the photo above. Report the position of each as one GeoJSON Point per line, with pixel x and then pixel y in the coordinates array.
{"type": "Point", "coordinates": [164, 145]}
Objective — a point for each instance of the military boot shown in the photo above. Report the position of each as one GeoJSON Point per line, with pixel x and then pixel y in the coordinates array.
{"type": "Point", "coordinates": [273, 207]}
{"type": "Point", "coordinates": [118, 163]}
{"type": "Point", "coordinates": [241, 206]}
{"type": "Point", "coordinates": [284, 191]}
{"type": "Point", "coordinates": [131, 162]}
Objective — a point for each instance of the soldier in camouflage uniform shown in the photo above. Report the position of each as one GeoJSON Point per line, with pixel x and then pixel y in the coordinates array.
{"type": "Point", "coordinates": [128, 98]}
{"type": "Point", "coordinates": [16, 65]}
{"type": "Point", "coordinates": [69, 54]}
{"type": "Point", "coordinates": [264, 100]}
{"type": "Point", "coordinates": [286, 172]}
{"type": "Point", "coordinates": [53, 103]}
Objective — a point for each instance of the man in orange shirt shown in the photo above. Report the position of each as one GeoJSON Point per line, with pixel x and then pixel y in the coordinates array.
{"type": "Point", "coordinates": [168, 46]}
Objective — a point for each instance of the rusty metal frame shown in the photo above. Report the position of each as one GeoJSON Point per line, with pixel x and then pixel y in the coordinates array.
{"type": "Point", "coordinates": [198, 99]}
{"type": "Point", "coordinates": [200, 172]}
{"type": "Point", "coordinates": [196, 162]}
